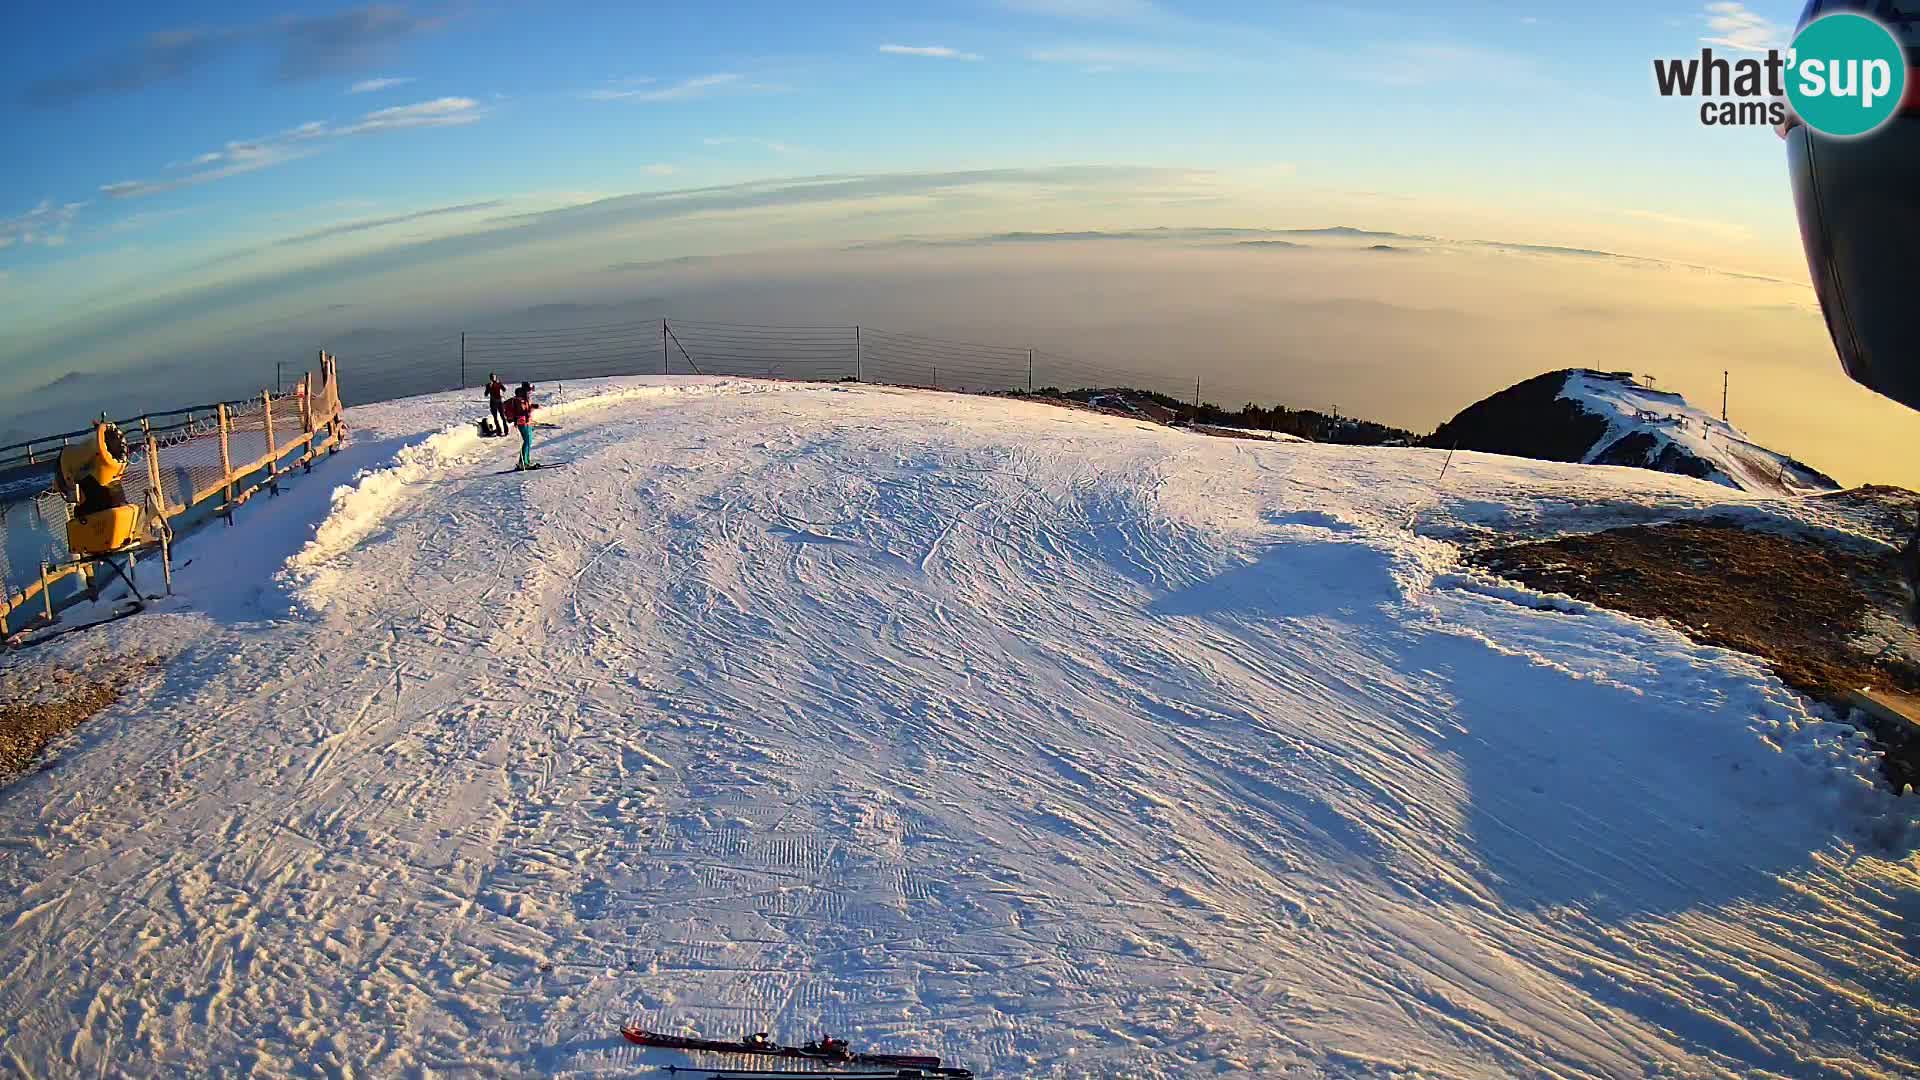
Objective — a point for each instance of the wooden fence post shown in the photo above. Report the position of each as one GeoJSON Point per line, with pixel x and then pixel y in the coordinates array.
{"type": "Point", "coordinates": [273, 450]}
{"type": "Point", "coordinates": [154, 482]}
{"type": "Point", "coordinates": [306, 421]}
{"type": "Point", "coordinates": [328, 365]}
{"type": "Point", "coordinates": [166, 550]}
{"type": "Point", "coordinates": [326, 379]}
{"type": "Point", "coordinates": [226, 460]}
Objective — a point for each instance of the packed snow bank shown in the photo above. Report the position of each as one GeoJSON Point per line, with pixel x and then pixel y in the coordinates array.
{"type": "Point", "coordinates": [1053, 744]}
{"type": "Point", "coordinates": [360, 505]}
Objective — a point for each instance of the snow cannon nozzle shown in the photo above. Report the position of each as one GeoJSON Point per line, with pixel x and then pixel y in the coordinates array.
{"type": "Point", "coordinates": [89, 476]}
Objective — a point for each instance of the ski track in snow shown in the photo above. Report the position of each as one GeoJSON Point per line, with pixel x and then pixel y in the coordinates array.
{"type": "Point", "coordinates": [1021, 735]}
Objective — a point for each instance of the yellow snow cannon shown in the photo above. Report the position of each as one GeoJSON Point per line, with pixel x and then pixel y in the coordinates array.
{"type": "Point", "coordinates": [90, 478]}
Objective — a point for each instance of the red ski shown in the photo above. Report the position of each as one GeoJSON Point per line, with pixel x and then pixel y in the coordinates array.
{"type": "Point", "coordinates": [823, 1049]}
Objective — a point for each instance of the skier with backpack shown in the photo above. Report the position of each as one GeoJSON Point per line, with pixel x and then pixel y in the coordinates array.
{"type": "Point", "coordinates": [518, 410]}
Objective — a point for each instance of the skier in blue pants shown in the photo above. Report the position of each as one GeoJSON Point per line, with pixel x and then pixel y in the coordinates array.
{"type": "Point", "coordinates": [520, 411]}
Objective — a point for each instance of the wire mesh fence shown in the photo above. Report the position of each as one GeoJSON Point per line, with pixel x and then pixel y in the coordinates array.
{"type": "Point", "coordinates": [34, 531]}
{"type": "Point", "coordinates": [419, 366]}
{"type": "Point", "coordinates": [816, 352]}
{"type": "Point", "coordinates": [812, 352]}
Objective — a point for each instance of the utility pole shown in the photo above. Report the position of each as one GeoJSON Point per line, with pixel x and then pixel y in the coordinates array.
{"type": "Point", "coordinates": [663, 345]}
{"type": "Point", "coordinates": [1196, 391]}
{"type": "Point", "coordinates": [856, 352]}
{"type": "Point", "coordinates": [463, 359]}
{"type": "Point", "coordinates": [1726, 377]}
{"type": "Point", "coordinates": [1029, 369]}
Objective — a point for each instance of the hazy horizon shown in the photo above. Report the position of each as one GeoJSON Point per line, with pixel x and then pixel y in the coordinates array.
{"type": "Point", "coordinates": [1406, 336]}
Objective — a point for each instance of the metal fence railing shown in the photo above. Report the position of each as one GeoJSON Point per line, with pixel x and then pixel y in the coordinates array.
{"type": "Point", "coordinates": [178, 462]}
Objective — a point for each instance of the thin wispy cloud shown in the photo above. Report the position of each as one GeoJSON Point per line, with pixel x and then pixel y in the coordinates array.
{"type": "Point", "coordinates": [934, 52]}
{"type": "Point", "coordinates": [374, 86]}
{"type": "Point", "coordinates": [659, 168]}
{"type": "Point", "coordinates": [147, 218]}
{"type": "Point", "coordinates": [303, 48]}
{"type": "Point", "coordinates": [1706, 225]}
{"type": "Point", "coordinates": [1104, 58]}
{"type": "Point", "coordinates": [1414, 63]}
{"type": "Point", "coordinates": [655, 264]}
{"type": "Point", "coordinates": [196, 161]}
{"type": "Point", "coordinates": [306, 213]}
{"type": "Point", "coordinates": [242, 159]}
{"type": "Point", "coordinates": [328, 44]}
{"type": "Point", "coordinates": [1097, 10]}
{"type": "Point", "coordinates": [163, 57]}
{"type": "Point", "coordinates": [1735, 26]}
{"type": "Point", "coordinates": [364, 225]}
{"type": "Point", "coordinates": [45, 224]}
{"type": "Point", "coordinates": [440, 112]}
{"type": "Point", "coordinates": [252, 155]}
{"type": "Point", "coordinates": [771, 145]}
{"type": "Point", "coordinates": [686, 89]}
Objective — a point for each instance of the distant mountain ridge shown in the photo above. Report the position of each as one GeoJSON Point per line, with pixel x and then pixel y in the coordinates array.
{"type": "Point", "coordinates": [1606, 418]}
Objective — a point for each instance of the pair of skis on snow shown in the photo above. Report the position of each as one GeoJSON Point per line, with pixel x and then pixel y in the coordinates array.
{"type": "Point", "coordinates": [828, 1051]}
{"type": "Point", "coordinates": [876, 1073]}
{"type": "Point", "coordinates": [535, 467]}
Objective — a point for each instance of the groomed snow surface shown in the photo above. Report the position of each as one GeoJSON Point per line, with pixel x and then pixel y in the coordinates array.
{"type": "Point", "coordinates": [1055, 743]}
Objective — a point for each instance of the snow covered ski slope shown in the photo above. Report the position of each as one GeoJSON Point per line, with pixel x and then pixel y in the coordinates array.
{"type": "Point", "coordinates": [1657, 429]}
{"type": "Point", "coordinates": [1052, 743]}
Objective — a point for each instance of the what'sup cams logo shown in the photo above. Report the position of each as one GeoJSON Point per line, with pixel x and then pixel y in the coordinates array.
{"type": "Point", "coordinates": [1844, 75]}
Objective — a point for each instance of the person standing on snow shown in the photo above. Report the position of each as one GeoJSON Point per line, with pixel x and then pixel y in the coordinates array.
{"type": "Point", "coordinates": [520, 411]}
{"type": "Point", "coordinates": [496, 390]}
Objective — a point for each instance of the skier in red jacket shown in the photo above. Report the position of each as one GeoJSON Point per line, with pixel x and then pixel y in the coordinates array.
{"type": "Point", "coordinates": [518, 411]}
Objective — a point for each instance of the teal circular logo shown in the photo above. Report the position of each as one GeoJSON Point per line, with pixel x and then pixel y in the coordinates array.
{"type": "Point", "coordinates": [1846, 74]}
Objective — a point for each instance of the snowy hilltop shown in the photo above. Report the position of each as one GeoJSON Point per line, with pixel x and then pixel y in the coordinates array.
{"type": "Point", "coordinates": [1056, 743]}
{"type": "Point", "coordinates": [1606, 418]}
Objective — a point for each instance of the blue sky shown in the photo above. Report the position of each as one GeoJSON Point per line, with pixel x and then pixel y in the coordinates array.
{"type": "Point", "coordinates": [156, 151]}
